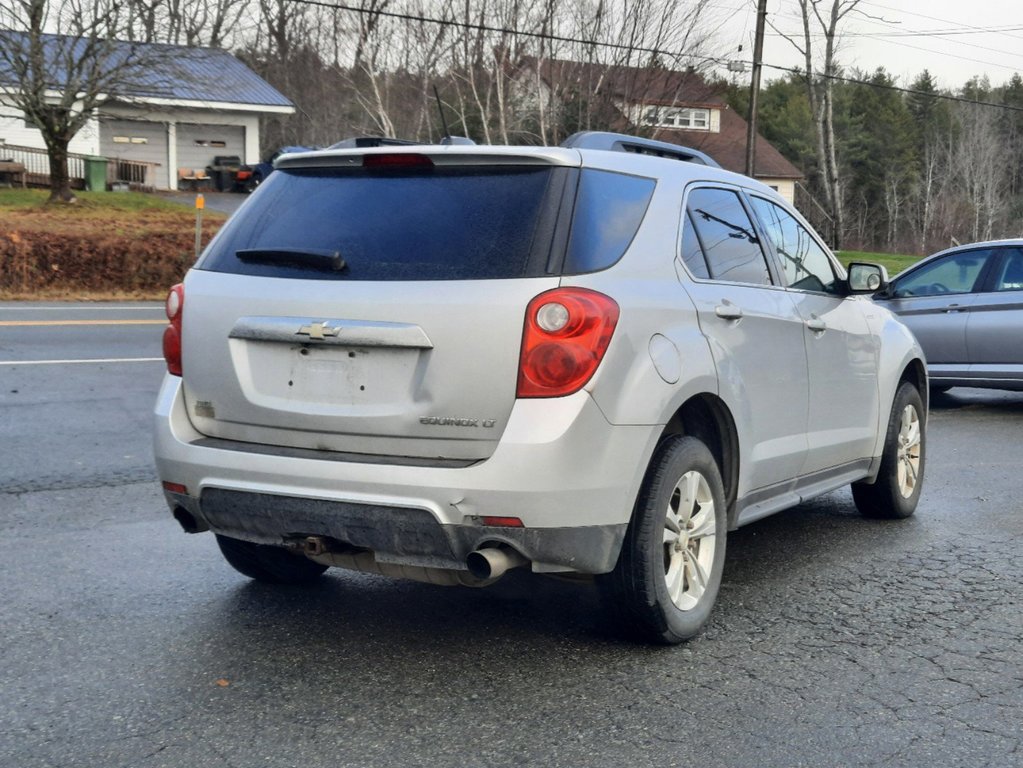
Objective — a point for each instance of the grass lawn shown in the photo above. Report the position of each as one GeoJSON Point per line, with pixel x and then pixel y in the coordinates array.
{"type": "Point", "coordinates": [89, 203]}
{"type": "Point", "coordinates": [893, 262]}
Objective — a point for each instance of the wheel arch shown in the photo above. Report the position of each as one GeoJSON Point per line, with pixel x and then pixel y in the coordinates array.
{"type": "Point", "coordinates": [706, 417]}
{"type": "Point", "coordinates": [915, 373]}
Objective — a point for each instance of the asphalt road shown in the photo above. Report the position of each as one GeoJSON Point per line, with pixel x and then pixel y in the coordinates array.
{"type": "Point", "coordinates": [836, 641]}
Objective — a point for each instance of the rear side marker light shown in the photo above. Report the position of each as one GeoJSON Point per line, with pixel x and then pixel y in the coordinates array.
{"type": "Point", "coordinates": [175, 488]}
{"type": "Point", "coordinates": [503, 522]}
{"type": "Point", "coordinates": [566, 333]}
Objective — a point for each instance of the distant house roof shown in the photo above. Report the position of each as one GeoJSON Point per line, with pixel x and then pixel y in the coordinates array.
{"type": "Point", "coordinates": [174, 72]}
{"type": "Point", "coordinates": [666, 87]}
{"type": "Point", "coordinates": [728, 147]}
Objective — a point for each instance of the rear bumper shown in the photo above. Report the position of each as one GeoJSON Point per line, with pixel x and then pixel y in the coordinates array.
{"type": "Point", "coordinates": [561, 468]}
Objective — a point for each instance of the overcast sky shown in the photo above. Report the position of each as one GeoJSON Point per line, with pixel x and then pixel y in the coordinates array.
{"type": "Point", "coordinates": [953, 39]}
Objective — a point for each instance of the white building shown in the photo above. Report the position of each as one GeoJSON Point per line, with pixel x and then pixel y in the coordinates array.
{"type": "Point", "coordinates": [194, 104]}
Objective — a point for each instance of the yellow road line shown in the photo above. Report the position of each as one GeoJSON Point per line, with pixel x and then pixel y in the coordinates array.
{"type": "Point", "coordinates": [30, 323]}
{"type": "Point", "coordinates": [21, 363]}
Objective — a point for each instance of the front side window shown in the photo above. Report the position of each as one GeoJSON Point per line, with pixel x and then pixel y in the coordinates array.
{"type": "Point", "coordinates": [726, 237]}
{"type": "Point", "coordinates": [805, 264]}
{"type": "Point", "coordinates": [955, 273]}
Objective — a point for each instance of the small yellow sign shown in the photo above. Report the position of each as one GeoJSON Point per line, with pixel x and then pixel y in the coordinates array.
{"type": "Point", "coordinates": [200, 202]}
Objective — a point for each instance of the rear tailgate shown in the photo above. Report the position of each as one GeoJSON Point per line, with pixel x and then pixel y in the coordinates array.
{"type": "Point", "coordinates": [417, 369]}
{"type": "Point", "coordinates": [373, 310]}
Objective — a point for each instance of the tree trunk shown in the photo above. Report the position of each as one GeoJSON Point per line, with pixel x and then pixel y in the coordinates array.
{"type": "Point", "coordinates": [834, 179]}
{"type": "Point", "coordinates": [60, 181]}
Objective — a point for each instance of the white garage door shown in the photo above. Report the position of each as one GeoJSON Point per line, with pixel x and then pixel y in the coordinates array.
{"type": "Point", "coordinates": [136, 140]}
{"type": "Point", "coordinates": [199, 144]}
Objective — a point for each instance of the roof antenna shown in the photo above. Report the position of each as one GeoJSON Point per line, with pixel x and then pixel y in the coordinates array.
{"type": "Point", "coordinates": [448, 139]}
{"type": "Point", "coordinates": [440, 108]}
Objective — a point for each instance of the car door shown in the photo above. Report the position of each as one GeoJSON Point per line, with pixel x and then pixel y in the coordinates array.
{"type": "Point", "coordinates": [993, 341]}
{"type": "Point", "coordinates": [841, 351]}
{"type": "Point", "coordinates": [935, 300]}
{"type": "Point", "coordinates": [754, 331]}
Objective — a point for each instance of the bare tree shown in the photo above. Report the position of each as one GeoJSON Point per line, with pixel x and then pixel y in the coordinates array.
{"type": "Point", "coordinates": [211, 23]}
{"type": "Point", "coordinates": [981, 168]}
{"type": "Point", "coordinates": [821, 19]}
{"type": "Point", "coordinates": [60, 80]}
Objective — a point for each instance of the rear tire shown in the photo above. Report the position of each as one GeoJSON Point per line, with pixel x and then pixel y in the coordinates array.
{"type": "Point", "coordinates": [669, 570]}
{"type": "Point", "coordinates": [268, 564]}
{"type": "Point", "coordinates": [896, 492]}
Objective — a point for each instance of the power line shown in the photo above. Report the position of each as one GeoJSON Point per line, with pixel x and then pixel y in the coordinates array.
{"type": "Point", "coordinates": [880, 37]}
{"type": "Point", "coordinates": [506, 30]}
{"type": "Point", "coordinates": [899, 89]}
{"type": "Point", "coordinates": [642, 49]}
{"type": "Point", "coordinates": [943, 21]}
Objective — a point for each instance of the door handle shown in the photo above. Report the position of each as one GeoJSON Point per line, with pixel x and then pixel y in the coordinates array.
{"type": "Point", "coordinates": [816, 325]}
{"type": "Point", "coordinates": [728, 311]}
{"type": "Point", "coordinates": [953, 308]}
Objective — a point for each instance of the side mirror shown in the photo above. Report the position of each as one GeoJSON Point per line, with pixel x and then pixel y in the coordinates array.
{"type": "Point", "coordinates": [867, 278]}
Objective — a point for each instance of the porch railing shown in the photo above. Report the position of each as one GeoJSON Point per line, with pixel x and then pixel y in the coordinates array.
{"type": "Point", "coordinates": [136, 174]}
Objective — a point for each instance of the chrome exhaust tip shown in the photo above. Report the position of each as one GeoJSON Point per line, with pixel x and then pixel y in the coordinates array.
{"type": "Point", "coordinates": [493, 562]}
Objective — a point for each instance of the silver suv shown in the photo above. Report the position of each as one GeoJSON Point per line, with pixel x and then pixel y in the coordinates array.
{"type": "Point", "coordinates": [442, 362]}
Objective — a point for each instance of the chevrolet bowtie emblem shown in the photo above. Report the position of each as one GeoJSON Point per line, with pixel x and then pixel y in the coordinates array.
{"type": "Point", "coordinates": [318, 330]}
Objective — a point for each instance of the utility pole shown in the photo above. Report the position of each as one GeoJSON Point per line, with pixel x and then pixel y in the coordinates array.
{"type": "Point", "coordinates": [754, 88]}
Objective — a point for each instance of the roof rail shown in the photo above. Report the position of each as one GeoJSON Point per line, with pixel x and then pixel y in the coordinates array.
{"type": "Point", "coordinates": [620, 142]}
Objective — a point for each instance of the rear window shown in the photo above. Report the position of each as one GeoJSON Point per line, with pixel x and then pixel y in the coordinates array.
{"type": "Point", "coordinates": [435, 224]}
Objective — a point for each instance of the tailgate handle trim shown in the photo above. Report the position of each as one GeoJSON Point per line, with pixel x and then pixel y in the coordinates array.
{"type": "Point", "coordinates": [343, 333]}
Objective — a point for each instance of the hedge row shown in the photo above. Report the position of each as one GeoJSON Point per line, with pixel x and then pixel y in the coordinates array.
{"type": "Point", "coordinates": [141, 256]}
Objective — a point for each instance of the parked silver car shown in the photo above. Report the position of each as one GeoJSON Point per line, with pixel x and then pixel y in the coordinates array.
{"type": "Point", "coordinates": [965, 306]}
{"type": "Point", "coordinates": [439, 363]}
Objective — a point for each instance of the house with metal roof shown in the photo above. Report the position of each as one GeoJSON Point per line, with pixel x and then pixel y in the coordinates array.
{"type": "Point", "coordinates": [677, 106]}
{"type": "Point", "coordinates": [188, 106]}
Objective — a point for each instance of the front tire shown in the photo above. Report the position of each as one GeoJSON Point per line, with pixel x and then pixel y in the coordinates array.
{"type": "Point", "coordinates": [896, 492]}
{"type": "Point", "coordinates": [268, 564]}
{"type": "Point", "coordinates": [669, 570]}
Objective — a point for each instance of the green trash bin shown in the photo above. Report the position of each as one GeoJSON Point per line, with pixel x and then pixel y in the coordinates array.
{"type": "Point", "coordinates": [96, 174]}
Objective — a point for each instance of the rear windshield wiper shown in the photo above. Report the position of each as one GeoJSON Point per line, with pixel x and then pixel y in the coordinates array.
{"type": "Point", "coordinates": [303, 258]}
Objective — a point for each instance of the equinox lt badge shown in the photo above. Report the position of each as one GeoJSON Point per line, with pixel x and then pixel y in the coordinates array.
{"type": "Point", "coordinates": [453, 421]}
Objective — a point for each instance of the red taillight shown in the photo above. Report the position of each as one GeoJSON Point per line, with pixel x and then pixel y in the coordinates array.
{"type": "Point", "coordinates": [175, 488]}
{"type": "Point", "coordinates": [172, 333]}
{"type": "Point", "coordinates": [566, 334]}
{"type": "Point", "coordinates": [397, 160]}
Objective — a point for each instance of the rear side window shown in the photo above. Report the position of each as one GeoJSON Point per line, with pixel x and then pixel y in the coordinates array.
{"type": "Point", "coordinates": [1010, 276]}
{"type": "Point", "coordinates": [431, 224]}
{"type": "Point", "coordinates": [692, 253]}
{"type": "Point", "coordinates": [608, 211]}
{"type": "Point", "coordinates": [726, 236]}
